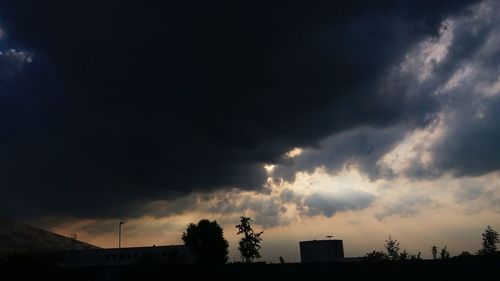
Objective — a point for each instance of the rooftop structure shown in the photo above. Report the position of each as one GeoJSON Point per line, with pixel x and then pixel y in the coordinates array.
{"type": "Point", "coordinates": [321, 251]}
{"type": "Point", "coordinates": [17, 237]}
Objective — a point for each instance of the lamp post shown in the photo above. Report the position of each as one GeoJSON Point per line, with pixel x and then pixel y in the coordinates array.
{"type": "Point", "coordinates": [120, 234]}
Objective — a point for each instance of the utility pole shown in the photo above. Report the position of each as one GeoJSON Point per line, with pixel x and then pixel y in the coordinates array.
{"type": "Point", "coordinates": [120, 234]}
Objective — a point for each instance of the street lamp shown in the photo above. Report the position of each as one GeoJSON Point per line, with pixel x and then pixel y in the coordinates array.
{"type": "Point", "coordinates": [120, 234]}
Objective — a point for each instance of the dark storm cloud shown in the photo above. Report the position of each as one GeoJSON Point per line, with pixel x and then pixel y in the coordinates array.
{"type": "Point", "coordinates": [452, 80]}
{"type": "Point", "coordinates": [12, 63]}
{"type": "Point", "coordinates": [128, 103]}
{"type": "Point", "coordinates": [472, 143]}
{"type": "Point", "coordinates": [472, 147]}
{"type": "Point", "coordinates": [470, 93]}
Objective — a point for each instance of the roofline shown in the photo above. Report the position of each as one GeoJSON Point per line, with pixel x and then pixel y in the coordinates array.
{"type": "Point", "coordinates": [320, 240]}
{"type": "Point", "coordinates": [135, 248]}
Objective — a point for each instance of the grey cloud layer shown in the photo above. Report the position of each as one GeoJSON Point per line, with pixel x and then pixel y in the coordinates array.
{"type": "Point", "coordinates": [361, 147]}
{"type": "Point", "coordinates": [269, 210]}
{"type": "Point", "coordinates": [195, 96]}
{"type": "Point", "coordinates": [478, 194]}
{"type": "Point", "coordinates": [470, 93]}
{"type": "Point", "coordinates": [406, 206]}
{"type": "Point", "coordinates": [12, 63]}
{"type": "Point", "coordinates": [454, 81]}
{"type": "Point", "coordinates": [328, 205]}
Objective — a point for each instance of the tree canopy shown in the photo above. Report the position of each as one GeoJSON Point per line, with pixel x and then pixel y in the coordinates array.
{"type": "Point", "coordinates": [249, 245]}
{"type": "Point", "coordinates": [392, 252]}
{"type": "Point", "coordinates": [206, 239]}
{"type": "Point", "coordinates": [392, 248]}
{"type": "Point", "coordinates": [490, 239]}
{"type": "Point", "coordinates": [444, 253]}
{"type": "Point", "coordinates": [434, 251]}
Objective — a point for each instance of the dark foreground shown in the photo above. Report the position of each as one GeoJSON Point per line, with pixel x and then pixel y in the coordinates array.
{"type": "Point", "coordinates": [475, 268]}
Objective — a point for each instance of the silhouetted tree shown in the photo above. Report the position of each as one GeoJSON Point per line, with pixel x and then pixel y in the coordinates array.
{"type": "Point", "coordinates": [490, 239]}
{"type": "Point", "coordinates": [444, 253]}
{"type": "Point", "coordinates": [464, 254]}
{"type": "Point", "coordinates": [249, 245]}
{"type": "Point", "coordinates": [404, 255]}
{"type": "Point", "coordinates": [416, 257]}
{"type": "Point", "coordinates": [376, 256]}
{"type": "Point", "coordinates": [206, 239]}
{"type": "Point", "coordinates": [434, 251]}
{"type": "Point", "coordinates": [392, 248]}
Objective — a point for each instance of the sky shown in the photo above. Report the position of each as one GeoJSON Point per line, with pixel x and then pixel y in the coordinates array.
{"type": "Point", "coordinates": [355, 119]}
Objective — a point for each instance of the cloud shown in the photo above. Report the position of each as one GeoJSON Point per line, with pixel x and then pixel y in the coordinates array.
{"type": "Point", "coordinates": [449, 88]}
{"type": "Point", "coordinates": [359, 148]}
{"type": "Point", "coordinates": [284, 204]}
{"type": "Point", "coordinates": [268, 210]}
{"type": "Point", "coordinates": [329, 204]}
{"type": "Point", "coordinates": [198, 96]}
{"type": "Point", "coordinates": [478, 194]}
{"type": "Point", "coordinates": [406, 206]}
{"type": "Point", "coordinates": [470, 98]}
{"type": "Point", "coordinates": [12, 63]}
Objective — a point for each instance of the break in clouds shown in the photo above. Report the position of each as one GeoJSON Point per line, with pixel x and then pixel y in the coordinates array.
{"type": "Point", "coordinates": [180, 111]}
{"type": "Point", "coordinates": [457, 71]}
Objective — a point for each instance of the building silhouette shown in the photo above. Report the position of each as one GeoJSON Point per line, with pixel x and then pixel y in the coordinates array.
{"type": "Point", "coordinates": [175, 254]}
{"type": "Point", "coordinates": [18, 237]}
{"type": "Point", "coordinates": [321, 251]}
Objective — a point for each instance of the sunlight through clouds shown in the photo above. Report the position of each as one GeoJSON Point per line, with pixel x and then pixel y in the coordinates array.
{"type": "Point", "coordinates": [294, 152]}
{"type": "Point", "coordinates": [411, 151]}
{"type": "Point", "coordinates": [455, 210]}
{"type": "Point", "coordinates": [415, 150]}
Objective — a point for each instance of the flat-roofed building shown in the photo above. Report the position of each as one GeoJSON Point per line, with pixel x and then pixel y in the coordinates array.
{"type": "Point", "coordinates": [321, 251]}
